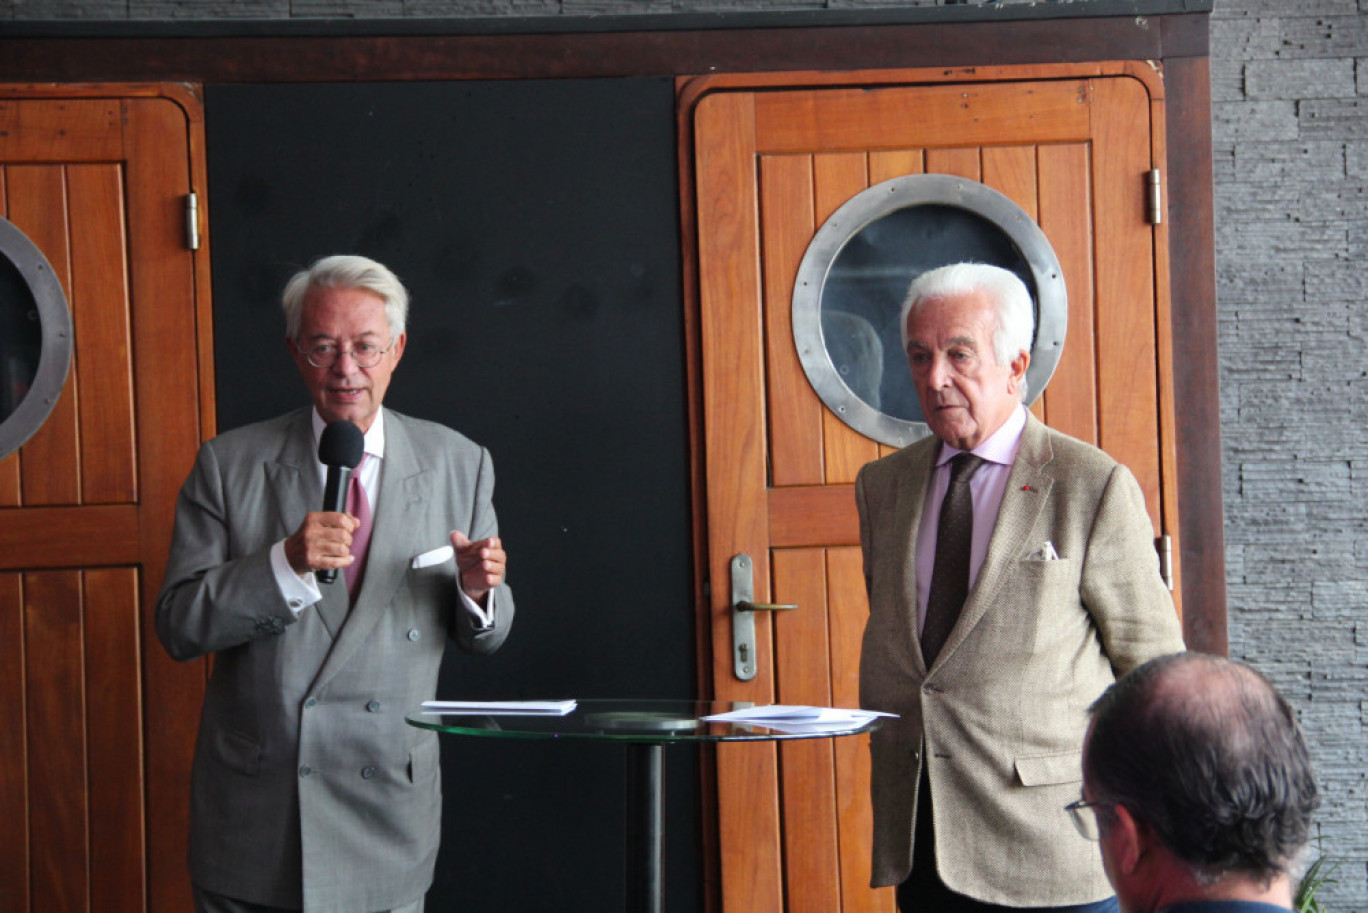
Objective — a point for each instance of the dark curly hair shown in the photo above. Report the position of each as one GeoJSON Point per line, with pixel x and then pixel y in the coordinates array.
{"type": "Point", "coordinates": [1207, 753]}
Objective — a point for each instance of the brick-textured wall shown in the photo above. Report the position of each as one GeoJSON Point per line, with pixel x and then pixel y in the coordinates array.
{"type": "Point", "coordinates": [1290, 131]}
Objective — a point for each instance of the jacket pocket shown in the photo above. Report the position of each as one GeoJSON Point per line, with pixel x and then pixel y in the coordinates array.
{"type": "Point", "coordinates": [424, 761]}
{"type": "Point", "coordinates": [1050, 769]}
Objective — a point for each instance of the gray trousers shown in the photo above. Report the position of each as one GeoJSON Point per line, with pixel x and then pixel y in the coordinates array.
{"type": "Point", "coordinates": [209, 902]}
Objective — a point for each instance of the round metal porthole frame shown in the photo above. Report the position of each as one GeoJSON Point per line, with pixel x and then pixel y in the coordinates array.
{"type": "Point", "coordinates": [869, 206]}
{"type": "Point", "coordinates": [54, 321]}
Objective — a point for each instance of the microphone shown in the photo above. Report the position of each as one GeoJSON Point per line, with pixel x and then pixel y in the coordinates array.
{"type": "Point", "coordinates": [340, 448]}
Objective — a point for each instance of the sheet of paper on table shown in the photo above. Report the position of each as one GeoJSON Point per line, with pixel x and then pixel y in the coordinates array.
{"type": "Point", "coordinates": [798, 717]}
{"type": "Point", "coordinates": [499, 708]}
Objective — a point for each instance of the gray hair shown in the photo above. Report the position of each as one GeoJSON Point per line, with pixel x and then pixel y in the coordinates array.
{"type": "Point", "coordinates": [1004, 289]}
{"type": "Point", "coordinates": [343, 271]}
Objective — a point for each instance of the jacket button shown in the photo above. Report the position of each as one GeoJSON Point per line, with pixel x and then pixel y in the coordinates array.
{"type": "Point", "coordinates": [367, 772]}
{"type": "Point", "coordinates": [305, 770]}
{"type": "Point", "coordinates": [413, 634]}
{"type": "Point", "coordinates": [310, 702]}
{"type": "Point", "coordinates": [373, 706]}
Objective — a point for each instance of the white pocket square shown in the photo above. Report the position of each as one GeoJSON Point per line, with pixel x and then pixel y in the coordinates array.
{"type": "Point", "coordinates": [1045, 553]}
{"type": "Point", "coordinates": [436, 556]}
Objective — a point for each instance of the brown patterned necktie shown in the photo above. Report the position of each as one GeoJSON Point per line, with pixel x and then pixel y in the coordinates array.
{"type": "Point", "coordinates": [954, 540]}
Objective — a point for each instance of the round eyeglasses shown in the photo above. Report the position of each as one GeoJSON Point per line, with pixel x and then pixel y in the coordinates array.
{"type": "Point", "coordinates": [325, 354]}
{"type": "Point", "coordinates": [1084, 816]}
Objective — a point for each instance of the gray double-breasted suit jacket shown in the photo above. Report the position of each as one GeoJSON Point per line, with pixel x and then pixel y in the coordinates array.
{"type": "Point", "coordinates": [1000, 716]}
{"type": "Point", "coordinates": [308, 788]}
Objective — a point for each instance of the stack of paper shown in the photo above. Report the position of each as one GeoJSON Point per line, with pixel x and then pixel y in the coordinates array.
{"type": "Point", "coordinates": [499, 708]}
{"type": "Point", "coordinates": [798, 718]}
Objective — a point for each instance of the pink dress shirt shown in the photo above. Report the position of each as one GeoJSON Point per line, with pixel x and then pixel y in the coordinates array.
{"type": "Point", "coordinates": [987, 487]}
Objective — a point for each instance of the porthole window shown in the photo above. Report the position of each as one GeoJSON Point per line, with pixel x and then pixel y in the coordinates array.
{"type": "Point", "coordinates": [850, 287]}
{"type": "Point", "coordinates": [35, 338]}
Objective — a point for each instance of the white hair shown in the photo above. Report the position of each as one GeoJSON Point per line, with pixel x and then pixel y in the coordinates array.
{"type": "Point", "coordinates": [1005, 291]}
{"type": "Point", "coordinates": [346, 271]}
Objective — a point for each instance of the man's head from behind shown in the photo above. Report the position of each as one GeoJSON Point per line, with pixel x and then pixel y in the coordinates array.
{"type": "Point", "coordinates": [1201, 782]}
{"type": "Point", "coordinates": [967, 331]}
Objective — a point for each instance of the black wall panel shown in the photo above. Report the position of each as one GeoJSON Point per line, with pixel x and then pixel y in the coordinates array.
{"type": "Point", "coordinates": [536, 225]}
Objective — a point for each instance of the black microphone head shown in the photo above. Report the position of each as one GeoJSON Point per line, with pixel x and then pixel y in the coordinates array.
{"type": "Point", "coordinates": [341, 444]}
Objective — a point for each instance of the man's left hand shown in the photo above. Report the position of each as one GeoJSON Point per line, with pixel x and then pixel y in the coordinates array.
{"type": "Point", "coordinates": [480, 564]}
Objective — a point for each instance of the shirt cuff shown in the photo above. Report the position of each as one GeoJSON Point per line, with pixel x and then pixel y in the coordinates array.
{"type": "Point", "coordinates": [299, 592]}
{"type": "Point", "coordinates": [484, 617]}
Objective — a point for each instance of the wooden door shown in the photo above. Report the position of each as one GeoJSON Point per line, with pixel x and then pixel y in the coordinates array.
{"type": "Point", "coordinates": [95, 749]}
{"type": "Point", "coordinates": [1071, 146]}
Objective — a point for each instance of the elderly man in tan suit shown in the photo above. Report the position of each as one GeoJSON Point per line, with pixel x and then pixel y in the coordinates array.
{"type": "Point", "coordinates": [1012, 577]}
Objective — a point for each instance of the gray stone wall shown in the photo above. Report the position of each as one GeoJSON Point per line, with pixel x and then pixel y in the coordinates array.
{"type": "Point", "coordinates": [1290, 130]}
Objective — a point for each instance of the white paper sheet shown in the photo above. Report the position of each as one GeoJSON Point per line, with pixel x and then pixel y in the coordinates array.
{"type": "Point", "coordinates": [798, 717]}
{"type": "Point", "coordinates": [499, 708]}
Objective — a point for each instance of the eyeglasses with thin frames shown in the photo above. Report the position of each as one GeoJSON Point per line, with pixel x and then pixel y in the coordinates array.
{"type": "Point", "coordinates": [326, 354]}
{"type": "Point", "coordinates": [1084, 816]}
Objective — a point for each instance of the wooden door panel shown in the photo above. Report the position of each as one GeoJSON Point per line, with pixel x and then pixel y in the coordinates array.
{"type": "Point", "coordinates": [38, 207]}
{"type": "Point", "coordinates": [81, 742]}
{"type": "Point", "coordinates": [97, 780]}
{"type": "Point", "coordinates": [962, 162]}
{"type": "Point", "coordinates": [973, 114]}
{"type": "Point", "coordinates": [811, 858]}
{"type": "Point", "coordinates": [56, 748]}
{"type": "Point", "coordinates": [66, 130]}
{"type": "Point", "coordinates": [100, 324]}
{"type": "Point", "coordinates": [786, 201]}
{"type": "Point", "coordinates": [112, 647]}
{"type": "Point", "coordinates": [771, 167]}
{"type": "Point", "coordinates": [848, 609]}
{"type": "Point", "coordinates": [1070, 401]}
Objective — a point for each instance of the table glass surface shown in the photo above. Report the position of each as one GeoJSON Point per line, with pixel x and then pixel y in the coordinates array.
{"type": "Point", "coordinates": [624, 720]}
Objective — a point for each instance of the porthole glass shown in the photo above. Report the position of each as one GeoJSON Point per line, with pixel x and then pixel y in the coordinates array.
{"type": "Point", "coordinates": [850, 287]}
{"type": "Point", "coordinates": [35, 338]}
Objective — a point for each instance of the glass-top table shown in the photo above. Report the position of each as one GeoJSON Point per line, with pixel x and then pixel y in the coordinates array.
{"type": "Point", "coordinates": [645, 727]}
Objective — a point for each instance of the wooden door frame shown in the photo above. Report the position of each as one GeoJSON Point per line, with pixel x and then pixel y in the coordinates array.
{"type": "Point", "coordinates": [797, 114]}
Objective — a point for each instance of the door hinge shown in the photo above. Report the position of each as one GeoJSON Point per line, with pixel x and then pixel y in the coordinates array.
{"type": "Point", "coordinates": [1164, 545]}
{"type": "Point", "coordinates": [1154, 197]}
{"type": "Point", "coordinates": [192, 235]}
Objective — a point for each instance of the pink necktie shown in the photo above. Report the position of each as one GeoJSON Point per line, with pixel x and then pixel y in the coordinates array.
{"type": "Point", "coordinates": [358, 505]}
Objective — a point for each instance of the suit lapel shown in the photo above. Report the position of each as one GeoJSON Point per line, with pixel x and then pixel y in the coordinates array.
{"type": "Point", "coordinates": [909, 505]}
{"type": "Point", "coordinates": [404, 482]}
{"type": "Point", "coordinates": [1027, 492]}
{"type": "Point", "coordinates": [296, 490]}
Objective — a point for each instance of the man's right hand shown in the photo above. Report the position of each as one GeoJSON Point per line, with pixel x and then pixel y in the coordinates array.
{"type": "Point", "coordinates": [322, 541]}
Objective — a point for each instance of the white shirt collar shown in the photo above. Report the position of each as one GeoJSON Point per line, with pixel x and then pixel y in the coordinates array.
{"type": "Point", "coordinates": [374, 439]}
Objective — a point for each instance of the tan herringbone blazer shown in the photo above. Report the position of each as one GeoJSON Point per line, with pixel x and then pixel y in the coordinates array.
{"type": "Point", "coordinates": [1000, 717]}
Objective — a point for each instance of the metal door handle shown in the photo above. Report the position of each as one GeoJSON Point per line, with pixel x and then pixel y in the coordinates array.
{"type": "Point", "coordinates": [743, 616]}
{"type": "Point", "coordinates": [745, 606]}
